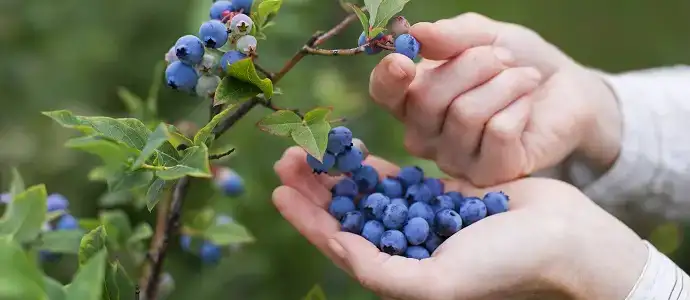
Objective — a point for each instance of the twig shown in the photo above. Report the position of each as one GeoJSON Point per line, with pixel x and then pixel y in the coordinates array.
{"type": "Point", "coordinates": [269, 104]}
{"type": "Point", "coordinates": [221, 155]}
{"type": "Point", "coordinates": [333, 52]}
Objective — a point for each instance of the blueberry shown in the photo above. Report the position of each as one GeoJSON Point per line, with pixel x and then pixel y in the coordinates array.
{"type": "Point", "coordinates": [56, 202]}
{"type": "Point", "coordinates": [67, 222]}
{"type": "Point", "coordinates": [339, 139]}
{"type": "Point", "coordinates": [442, 202]}
{"type": "Point", "coordinates": [218, 8]}
{"type": "Point", "coordinates": [230, 58]}
{"type": "Point", "coordinates": [206, 85]}
{"type": "Point", "coordinates": [366, 178]}
{"type": "Point", "coordinates": [374, 205]}
{"type": "Point", "coordinates": [447, 222]}
{"type": "Point", "coordinates": [352, 221]}
{"type": "Point", "coordinates": [432, 242]}
{"type": "Point", "coordinates": [224, 219]}
{"type": "Point", "coordinates": [213, 34]}
{"type": "Point", "coordinates": [345, 187]}
{"type": "Point", "coordinates": [393, 242]}
{"type": "Point", "coordinates": [496, 202]}
{"type": "Point", "coordinates": [229, 182]}
{"type": "Point", "coordinates": [189, 50]}
{"type": "Point", "coordinates": [247, 44]}
{"type": "Point", "coordinates": [186, 242]}
{"type": "Point", "coordinates": [435, 185]}
{"type": "Point", "coordinates": [394, 216]}
{"type": "Point", "coordinates": [400, 201]}
{"type": "Point", "coordinates": [472, 211]}
{"type": "Point", "coordinates": [407, 45]}
{"type": "Point", "coordinates": [418, 193]}
{"type": "Point", "coordinates": [390, 187]}
{"type": "Point", "coordinates": [409, 176]}
{"type": "Point", "coordinates": [242, 5]}
{"type": "Point", "coordinates": [6, 198]}
{"type": "Point", "coordinates": [417, 252]}
{"type": "Point", "coordinates": [458, 199]}
{"type": "Point", "coordinates": [416, 231]}
{"type": "Point", "coordinates": [241, 24]}
{"type": "Point", "coordinates": [321, 166]}
{"type": "Point", "coordinates": [210, 253]}
{"type": "Point", "coordinates": [372, 231]}
{"type": "Point", "coordinates": [369, 49]}
{"type": "Point", "coordinates": [339, 206]}
{"type": "Point", "coordinates": [182, 77]}
{"type": "Point", "coordinates": [349, 161]}
{"type": "Point", "coordinates": [422, 210]}
{"type": "Point", "coordinates": [400, 25]}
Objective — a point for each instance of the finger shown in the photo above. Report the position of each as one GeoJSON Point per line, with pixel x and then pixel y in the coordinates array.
{"type": "Point", "coordinates": [389, 82]}
{"type": "Point", "coordinates": [393, 276]}
{"type": "Point", "coordinates": [432, 92]}
{"type": "Point", "coordinates": [448, 38]}
{"type": "Point", "coordinates": [293, 171]}
{"type": "Point", "coordinates": [384, 167]}
{"type": "Point", "coordinates": [468, 114]}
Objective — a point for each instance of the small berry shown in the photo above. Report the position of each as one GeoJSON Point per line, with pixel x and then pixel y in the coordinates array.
{"type": "Point", "coordinates": [166, 285]}
{"type": "Point", "coordinates": [241, 24]}
{"type": "Point", "coordinates": [229, 58]}
{"type": "Point", "coordinates": [374, 205]}
{"type": "Point", "coordinates": [357, 143]}
{"type": "Point", "coordinates": [321, 166]}
{"type": "Point", "coordinates": [390, 187]}
{"type": "Point", "coordinates": [224, 220]}
{"type": "Point", "coordinates": [407, 45]}
{"type": "Point", "coordinates": [56, 202]}
{"type": "Point", "coordinates": [496, 202]}
{"type": "Point", "coordinates": [345, 187]}
{"type": "Point", "coordinates": [394, 216]}
{"type": "Point", "coordinates": [371, 50]}
{"type": "Point", "coordinates": [67, 222]}
{"type": "Point", "coordinates": [372, 231]}
{"type": "Point", "coordinates": [349, 161]}
{"type": "Point", "coordinates": [417, 252]}
{"type": "Point", "coordinates": [180, 76]}
{"type": "Point", "coordinates": [393, 242]}
{"type": "Point", "coordinates": [247, 44]}
{"type": "Point", "coordinates": [210, 253]}
{"type": "Point", "coordinates": [171, 56]}
{"type": "Point", "coordinates": [242, 5]}
{"type": "Point", "coordinates": [400, 25]}
{"type": "Point", "coordinates": [418, 193]}
{"type": "Point", "coordinates": [206, 85]}
{"type": "Point", "coordinates": [213, 34]}
{"type": "Point", "coordinates": [432, 242]}
{"type": "Point", "coordinates": [218, 8]}
{"type": "Point", "coordinates": [442, 202]}
{"type": "Point", "coordinates": [416, 231]}
{"type": "Point", "coordinates": [447, 222]}
{"type": "Point", "coordinates": [189, 50]}
{"type": "Point", "coordinates": [458, 199]}
{"type": "Point", "coordinates": [472, 211]}
{"type": "Point", "coordinates": [339, 206]}
{"type": "Point", "coordinates": [208, 63]}
{"type": "Point", "coordinates": [186, 242]}
{"type": "Point", "coordinates": [366, 178]}
{"type": "Point", "coordinates": [409, 176]}
{"type": "Point", "coordinates": [421, 210]}
{"type": "Point", "coordinates": [435, 185]}
{"type": "Point", "coordinates": [353, 222]}
{"type": "Point", "coordinates": [400, 201]}
{"type": "Point", "coordinates": [229, 182]}
{"type": "Point", "coordinates": [339, 139]}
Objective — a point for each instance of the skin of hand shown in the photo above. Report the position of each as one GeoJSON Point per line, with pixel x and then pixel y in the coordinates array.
{"type": "Point", "coordinates": [493, 101]}
{"type": "Point", "coordinates": [553, 243]}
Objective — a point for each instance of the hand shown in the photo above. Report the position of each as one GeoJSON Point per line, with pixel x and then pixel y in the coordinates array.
{"type": "Point", "coordinates": [551, 243]}
{"type": "Point", "coordinates": [493, 101]}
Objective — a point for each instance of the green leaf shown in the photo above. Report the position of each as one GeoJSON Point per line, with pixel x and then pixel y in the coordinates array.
{"type": "Point", "coordinates": [244, 70]}
{"type": "Point", "coordinates": [316, 115]}
{"type": "Point", "coordinates": [316, 293]}
{"type": "Point", "coordinates": [61, 241]}
{"type": "Point", "coordinates": [372, 7]}
{"type": "Point", "coordinates": [267, 8]}
{"type": "Point", "coordinates": [313, 138]}
{"type": "Point", "coordinates": [156, 139]}
{"type": "Point", "coordinates": [176, 138]}
{"type": "Point", "coordinates": [91, 244]}
{"type": "Point", "coordinates": [232, 90]}
{"type": "Point", "coordinates": [153, 193]}
{"type": "Point", "coordinates": [54, 215]}
{"type": "Point", "coordinates": [110, 152]}
{"type": "Point", "coordinates": [194, 163]}
{"type": "Point", "coordinates": [88, 282]}
{"type": "Point", "coordinates": [280, 123]}
{"type": "Point", "coordinates": [54, 288]}
{"type": "Point", "coordinates": [19, 278]}
{"type": "Point", "coordinates": [152, 100]}
{"type": "Point", "coordinates": [117, 285]}
{"type": "Point", "coordinates": [374, 32]}
{"type": "Point", "coordinates": [199, 221]}
{"type": "Point", "coordinates": [124, 179]}
{"type": "Point", "coordinates": [204, 135]}
{"type": "Point", "coordinates": [386, 10]}
{"type": "Point", "coordinates": [17, 183]}
{"type": "Point", "coordinates": [111, 199]}
{"type": "Point", "coordinates": [142, 232]}
{"type": "Point", "coordinates": [117, 226]}
{"type": "Point", "coordinates": [361, 16]}
{"type": "Point", "coordinates": [89, 224]}
{"type": "Point", "coordinates": [228, 234]}
{"type": "Point", "coordinates": [25, 215]}
{"type": "Point", "coordinates": [129, 131]}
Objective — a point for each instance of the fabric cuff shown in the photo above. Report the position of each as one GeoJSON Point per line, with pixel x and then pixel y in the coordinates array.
{"type": "Point", "coordinates": [660, 279]}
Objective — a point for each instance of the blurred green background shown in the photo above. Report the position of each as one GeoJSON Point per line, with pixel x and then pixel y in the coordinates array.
{"type": "Point", "coordinates": [73, 54]}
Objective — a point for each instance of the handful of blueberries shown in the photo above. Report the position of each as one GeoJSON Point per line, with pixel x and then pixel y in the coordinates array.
{"type": "Point", "coordinates": [407, 214]}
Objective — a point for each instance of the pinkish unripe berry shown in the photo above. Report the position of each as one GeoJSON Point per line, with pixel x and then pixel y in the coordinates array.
{"type": "Point", "coordinates": [400, 25]}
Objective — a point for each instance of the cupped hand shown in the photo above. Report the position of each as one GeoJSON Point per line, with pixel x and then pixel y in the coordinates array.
{"type": "Point", "coordinates": [551, 243]}
{"type": "Point", "coordinates": [492, 101]}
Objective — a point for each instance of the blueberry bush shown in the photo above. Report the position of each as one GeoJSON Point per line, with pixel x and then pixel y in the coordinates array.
{"type": "Point", "coordinates": [154, 164]}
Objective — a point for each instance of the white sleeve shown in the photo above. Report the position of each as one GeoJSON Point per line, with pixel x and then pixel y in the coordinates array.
{"type": "Point", "coordinates": [653, 168]}
{"type": "Point", "coordinates": [660, 279]}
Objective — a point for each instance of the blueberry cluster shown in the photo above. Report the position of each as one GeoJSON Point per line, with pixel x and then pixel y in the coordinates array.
{"type": "Point", "coordinates": [192, 67]}
{"type": "Point", "coordinates": [209, 252]}
{"type": "Point", "coordinates": [403, 42]}
{"type": "Point", "coordinates": [343, 155]}
{"type": "Point", "coordinates": [228, 181]}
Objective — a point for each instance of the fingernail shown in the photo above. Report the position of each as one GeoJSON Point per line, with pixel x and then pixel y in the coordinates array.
{"type": "Point", "coordinates": [396, 71]}
{"type": "Point", "coordinates": [533, 73]}
{"type": "Point", "coordinates": [503, 55]}
{"type": "Point", "coordinates": [337, 248]}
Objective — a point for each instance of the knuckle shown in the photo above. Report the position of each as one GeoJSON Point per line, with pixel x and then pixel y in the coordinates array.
{"type": "Point", "coordinates": [501, 128]}
{"type": "Point", "coordinates": [466, 112]}
{"type": "Point", "coordinates": [415, 145]}
{"type": "Point", "coordinates": [473, 18]}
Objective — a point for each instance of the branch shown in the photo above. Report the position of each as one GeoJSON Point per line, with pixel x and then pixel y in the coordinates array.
{"type": "Point", "coordinates": [269, 104]}
{"type": "Point", "coordinates": [221, 155]}
{"type": "Point", "coordinates": [333, 52]}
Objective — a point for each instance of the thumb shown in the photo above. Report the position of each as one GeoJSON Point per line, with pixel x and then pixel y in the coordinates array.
{"type": "Point", "coordinates": [386, 275]}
